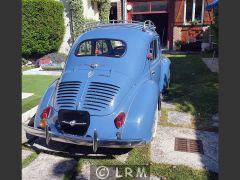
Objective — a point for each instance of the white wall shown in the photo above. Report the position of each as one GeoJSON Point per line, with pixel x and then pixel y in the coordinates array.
{"type": "Point", "coordinates": [65, 46]}
{"type": "Point", "coordinates": [88, 12]}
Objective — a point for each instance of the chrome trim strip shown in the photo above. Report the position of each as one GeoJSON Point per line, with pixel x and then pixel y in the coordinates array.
{"type": "Point", "coordinates": [85, 141]}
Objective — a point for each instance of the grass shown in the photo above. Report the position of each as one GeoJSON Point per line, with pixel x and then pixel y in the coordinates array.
{"type": "Point", "coordinates": [36, 84]}
{"type": "Point", "coordinates": [194, 89]}
{"type": "Point", "coordinates": [25, 68]}
{"type": "Point", "coordinates": [29, 159]}
{"type": "Point", "coordinates": [171, 172]}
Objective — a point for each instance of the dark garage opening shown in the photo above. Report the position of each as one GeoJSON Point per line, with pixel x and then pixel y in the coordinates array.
{"type": "Point", "coordinates": [113, 12]}
{"type": "Point", "coordinates": [161, 22]}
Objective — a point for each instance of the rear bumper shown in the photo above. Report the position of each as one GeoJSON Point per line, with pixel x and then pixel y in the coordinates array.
{"type": "Point", "coordinates": [94, 141]}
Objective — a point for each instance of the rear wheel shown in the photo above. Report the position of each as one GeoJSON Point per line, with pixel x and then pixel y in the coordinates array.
{"type": "Point", "coordinates": [166, 89]}
{"type": "Point", "coordinates": [159, 102]}
{"type": "Point", "coordinates": [31, 124]}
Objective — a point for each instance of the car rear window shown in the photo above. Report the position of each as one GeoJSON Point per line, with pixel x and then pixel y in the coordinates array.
{"type": "Point", "coordinates": [101, 47]}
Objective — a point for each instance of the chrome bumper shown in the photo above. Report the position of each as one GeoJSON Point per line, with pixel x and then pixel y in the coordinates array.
{"type": "Point", "coordinates": [85, 141]}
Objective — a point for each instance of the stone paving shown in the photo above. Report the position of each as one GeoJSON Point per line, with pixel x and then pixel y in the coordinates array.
{"type": "Point", "coordinates": [180, 118]}
{"type": "Point", "coordinates": [46, 167]}
{"type": "Point", "coordinates": [167, 105]}
{"type": "Point", "coordinates": [212, 64]}
{"type": "Point", "coordinates": [162, 148]}
{"type": "Point", "coordinates": [39, 71]}
{"type": "Point", "coordinates": [26, 95]}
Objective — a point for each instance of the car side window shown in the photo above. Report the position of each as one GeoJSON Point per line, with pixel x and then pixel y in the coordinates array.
{"type": "Point", "coordinates": [153, 49]}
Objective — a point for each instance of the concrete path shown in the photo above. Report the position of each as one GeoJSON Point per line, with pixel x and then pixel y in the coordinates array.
{"type": "Point", "coordinates": [162, 148]}
{"type": "Point", "coordinates": [29, 114]}
{"type": "Point", "coordinates": [26, 95]}
{"type": "Point", "coordinates": [26, 153]}
{"type": "Point", "coordinates": [46, 167]}
{"type": "Point", "coordinates": [39, 71]}
{"type": "Point", "coordinates": [212, 64]}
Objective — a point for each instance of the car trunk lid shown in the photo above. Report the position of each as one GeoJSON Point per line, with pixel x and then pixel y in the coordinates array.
{"type": "Point", "coordinates": [98, 91]}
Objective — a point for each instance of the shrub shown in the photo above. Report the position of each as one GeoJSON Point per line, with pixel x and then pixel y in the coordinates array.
{"type": "Point", "coordinates": [42, 26]}
{"type": "Point", "coordinates": [76, 7]}
{"type": "Point", "coordinates": [178, 43]}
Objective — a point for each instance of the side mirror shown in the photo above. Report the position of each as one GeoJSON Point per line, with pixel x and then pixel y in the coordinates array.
{"type": "Point", "coordinates": [149, 56]}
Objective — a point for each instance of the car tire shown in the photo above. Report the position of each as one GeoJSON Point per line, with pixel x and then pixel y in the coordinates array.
{"type": "Point", "coordinates": [155, 122]}
{"type": "Point", "coordinates": [166, 89]}
{"type": "Point", "coordinates": [168, 85]}
{"type": "Point", "coordinates": [159, 102]}
{"type": "Point", "coordinates": [31, 124]}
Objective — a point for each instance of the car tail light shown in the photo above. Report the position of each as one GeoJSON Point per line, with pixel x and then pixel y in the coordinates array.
{"type": "Point", "coordinates": [43, 123]}
{"type": "Point", "coordinates": [119, 120]}
{"type": "Point", "coordinates": [46, 112]}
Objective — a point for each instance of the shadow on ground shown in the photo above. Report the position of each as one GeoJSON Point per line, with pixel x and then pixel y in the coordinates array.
{"type": "Point", "coordinates": [74, 151]}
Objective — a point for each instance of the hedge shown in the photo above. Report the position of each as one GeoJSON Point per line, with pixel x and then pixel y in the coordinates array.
{"type": "Point", "coordinates": [42, 26]}
{"type": "Point", "coordinates": [77, 16]}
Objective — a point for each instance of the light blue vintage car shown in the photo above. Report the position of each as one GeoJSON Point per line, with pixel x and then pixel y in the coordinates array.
{"type": "Point", "coordinates": [110, 91]}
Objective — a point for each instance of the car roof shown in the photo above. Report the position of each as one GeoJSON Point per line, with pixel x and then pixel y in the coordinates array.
{"type": "Point", "coordinates": [126, 32]}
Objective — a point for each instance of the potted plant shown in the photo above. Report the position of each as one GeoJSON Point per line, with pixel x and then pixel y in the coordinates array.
{"type": "Point", "coordinates": [178, 45]}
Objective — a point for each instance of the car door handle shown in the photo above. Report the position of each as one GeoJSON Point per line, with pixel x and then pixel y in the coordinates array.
{"type": "Point", "coordinates": [153, 72]}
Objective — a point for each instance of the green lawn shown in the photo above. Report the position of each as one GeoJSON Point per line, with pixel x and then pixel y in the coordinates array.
{"type": "Point", "coordinates": [36, 84]}
{"type": "Point", "coordinates": [194, 89]}
{"type": "Point", "coordinates": [25, 68]}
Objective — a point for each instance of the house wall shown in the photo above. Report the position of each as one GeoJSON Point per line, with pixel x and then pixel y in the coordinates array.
{"type": "Point", "coordinates": [177, 30]}
{"type": "Point", "coordinates": [119, 10]}
{"type": "Point", "coordinates": [90, 10]}
{"type": "Point", "coordinates": [65, 46]}
{"type": "Point", "coordinates": [188, 33]}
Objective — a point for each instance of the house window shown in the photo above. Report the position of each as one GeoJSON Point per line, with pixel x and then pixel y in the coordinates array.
{"type": "Point", "coordinates": [149, 7]}
{"type": "Point", "coordinates": [193, 11]}
{"type": "Point", "coordinates": [141, 7]}
{"type": "Point", "coordinates": [159, 5]}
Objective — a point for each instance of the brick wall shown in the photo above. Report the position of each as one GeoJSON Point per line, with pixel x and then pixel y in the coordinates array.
{"type": "Point", "coordinates": [188, 33]}
{"type": "Point", "coordinates": [177, 35]}
{"type": "Point", "coordinates": [119, 10]}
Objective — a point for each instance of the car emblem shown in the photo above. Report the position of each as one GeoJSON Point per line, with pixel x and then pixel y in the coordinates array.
{"type": "Point", "coordinates": [72, 123]}
{"type": "Point", "coordinates": [93, 66]}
